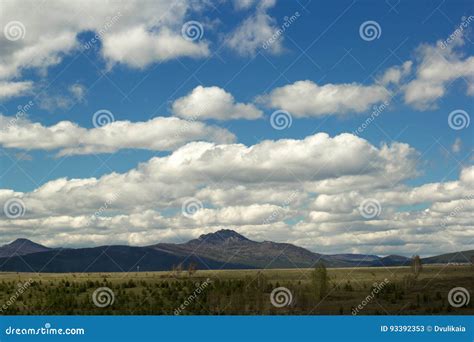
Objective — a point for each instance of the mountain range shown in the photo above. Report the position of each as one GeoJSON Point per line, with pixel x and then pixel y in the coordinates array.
{"type": "Point", "coordinates": [224, 249]}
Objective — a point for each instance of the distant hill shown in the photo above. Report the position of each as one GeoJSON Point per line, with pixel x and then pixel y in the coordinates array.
{"type": "Point", "coordinates": [224, 249]}
{"type": "Point", "coordinates": [457, 257]}
{"type": "Point", "coordinates": [21, 247]}
{"type": "Point", "coordinates": [104, 259]}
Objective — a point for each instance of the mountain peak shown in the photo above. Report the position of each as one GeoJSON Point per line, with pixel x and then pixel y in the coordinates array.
{"type": "Point", "coordinates": [21, 241]}
{"type": "Point", "coordinates": [21, 246]}
{"type": "Point", "coordinates": [223, 236]}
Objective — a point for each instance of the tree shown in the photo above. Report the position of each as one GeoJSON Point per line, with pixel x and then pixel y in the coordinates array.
{"type": "Point", "coordinates": [320, 280]}
{"type": "Point", "coordinates": [416, 265]}
{"type": "Point", "coordinates": [192, 268]}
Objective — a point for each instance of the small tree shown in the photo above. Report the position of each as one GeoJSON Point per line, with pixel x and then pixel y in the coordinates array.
{"type": "Point", "coordinates": [416, 265]}
{"type": "Point", "coordinates": [192, 268]}
{"type": "Point", "coordinates": [320, 280]}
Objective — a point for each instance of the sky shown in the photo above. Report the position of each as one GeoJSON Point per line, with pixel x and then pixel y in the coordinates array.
{"type": "Point", "coordinates": [342, 127]}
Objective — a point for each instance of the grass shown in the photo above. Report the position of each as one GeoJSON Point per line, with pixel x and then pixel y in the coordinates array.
{"type": "Point", "coordinates": [241, 292]}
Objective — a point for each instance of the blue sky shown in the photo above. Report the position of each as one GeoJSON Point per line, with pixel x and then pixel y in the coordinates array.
{"type": "Point", "coordinates": [322, 46]}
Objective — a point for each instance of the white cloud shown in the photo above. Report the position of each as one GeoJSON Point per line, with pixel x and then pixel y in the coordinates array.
{"type": "Point", "coordinates": [213, 103]}
{"type": "Point", "coordinates": [396, 74]}
{"type": "Point", "coordinates": [317, 182]}
{"type": "Point", "coordinates": [306, 98]}
{"type": "Point", "coordinates": [254, 31]}
{"type": "Point", "coordinates": [159, 134]}
{"type": "Point", "coordinates": [136, 33]}
{"type": "Point", "coordinates": [74, 94]}
{"type": "Point", "coordinates": [437, 67]}
{"type": "Point", "coordinates": [12, 89]}
{"type": "Point", "coordinates": [138, 47]}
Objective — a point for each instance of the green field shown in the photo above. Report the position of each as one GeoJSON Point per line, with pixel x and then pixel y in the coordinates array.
{"type": "Point", "coordinates": [380, 291]}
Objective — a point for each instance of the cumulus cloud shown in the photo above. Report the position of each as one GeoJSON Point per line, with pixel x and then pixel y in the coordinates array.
{"type": "Point", "coordinates": [136, 33]}
{"type": "Point", "coordinates": [213, 103]}
{"type": "Point", "coordinates": [437, 66]}
{"type": "Point", "coordinates": [254, 31]}
{"type": "Point", "coordinates": [318, 183]}
{"type": "Point", "coordinates": [158, 134]}
{"type": "Point", "coordinates": [308, 99]}
{"type": "Point", "coordinates": [138, 47]}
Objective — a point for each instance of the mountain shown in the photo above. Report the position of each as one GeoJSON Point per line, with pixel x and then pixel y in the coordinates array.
{"type": "Point", "coordinates": [224, 249]}
{"type": "Point", "coordinates": [104, 259]}
{"type": "Point", "coordinates": [457, 257]}
{"type": "Point", "coordinates": [230, 246]}
{"type": "Point", "coordinates": [21, 247]}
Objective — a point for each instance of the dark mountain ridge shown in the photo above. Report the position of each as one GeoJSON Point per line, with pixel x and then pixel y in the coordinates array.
{"type": "Point", "coordinates": [21, 247]}
{"type": "Point", "coordinates": [224, 249]}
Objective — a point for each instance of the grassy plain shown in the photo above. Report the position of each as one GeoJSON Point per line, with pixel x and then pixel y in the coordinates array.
{"type": "Point", "coordinates": [245, 292]}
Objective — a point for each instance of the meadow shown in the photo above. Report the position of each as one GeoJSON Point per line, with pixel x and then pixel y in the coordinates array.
{"type": "Point", "coordinates": [319, 291]}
